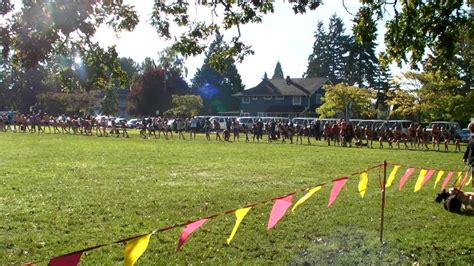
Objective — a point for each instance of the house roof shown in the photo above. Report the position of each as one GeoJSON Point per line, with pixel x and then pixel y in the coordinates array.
{"type": "Point", "coordinates": [285, 87]}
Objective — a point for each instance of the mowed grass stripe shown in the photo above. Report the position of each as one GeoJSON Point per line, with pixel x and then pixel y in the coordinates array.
{"type": "Point", "coordinates": [64, 193]}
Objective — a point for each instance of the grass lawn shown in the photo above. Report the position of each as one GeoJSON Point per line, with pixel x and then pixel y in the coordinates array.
{"type": "Point", "coordinates": [64, 193]}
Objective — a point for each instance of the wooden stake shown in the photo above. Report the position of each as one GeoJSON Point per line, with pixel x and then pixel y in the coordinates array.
{"type": "Point", "coordinates": [383, 200]}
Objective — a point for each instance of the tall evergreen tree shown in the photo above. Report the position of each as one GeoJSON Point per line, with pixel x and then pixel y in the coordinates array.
{"type": "Point", "coordinates": [318, 61]}
{"type": "Point", "coordinates": [328, 58]}
{"type": "Point", "coordinates": [362, 64]}
{"type": "Point", "coordinates": [278, 72]}
{"type": "Point", "coordinates": [337, 42]}
{"type": "Point", "coordinates": [216, 88]}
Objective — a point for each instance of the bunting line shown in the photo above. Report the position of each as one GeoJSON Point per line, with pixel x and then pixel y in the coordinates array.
{"type": "Point", "coordinates": [438, 178]}
{"type": "Point", "coordinates": [136, 245]}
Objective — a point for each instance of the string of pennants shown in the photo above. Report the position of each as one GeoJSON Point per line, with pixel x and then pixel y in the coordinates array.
{"type": "Point", "coordinates": [137, 245]}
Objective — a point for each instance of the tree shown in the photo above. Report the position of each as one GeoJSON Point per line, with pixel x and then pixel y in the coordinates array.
{"type": "Point", "coordinates": [110, 103]}
{"type": "Point", "coordinates": [328, 58]}
{"type": "Point", "coordinates": [148, 64]}
{"type": "Point", "coordinates": [347, 100]}
{"type": "Point", "coordinates": [437, 24]}
{"type": "Point", "coordinates": [130, 68]}
{"type": "Point", "coordinates": [429, 96]}
{"type": "Point", "coordinates": [66, 103]}
{"type": "Point", "coordinates": [153, 92]}
{"type": "Point", "coordinates": [338, 45]}
{"type": "Point", "coordinates": [216, 88]}
{"type": "Point", "coordinates": [318, 60]}
{"type": "Point", "coordinates": [185, 105]}
{"type": "Point", "coordinates": [361, 65]}
{"type": "Point", "coordinates": [278, 72]}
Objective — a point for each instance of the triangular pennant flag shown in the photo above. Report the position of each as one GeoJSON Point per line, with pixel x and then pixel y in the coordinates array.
{"type": "Point", "coordinates": [438, 178]}
{"type": "Point", "coordinates": [469, 181]}
{"type": "Point", "coordinates": [446, 180]}
{"type": "Point", "coordinates": [305, 197]}
{"type": "Point", "coordinates": [66, 260]}
{"type": "Point", "coordinates": [405, 177]}
{"type": "Point", "coordinates": [336, 188]}
{"type": "Point", "coordinates": [458, 180]}
{"type": "Point", "coordinates": [392, 175]}
{"type": "Point", "coordinates": [428, 176]}
{"type": "Point", "coordinates": [135, 248]}
{"type": "Point", "coordinates": [240, 215]}
{"type": "Point", "coordinates": [364, 179]}
{"type": "Point", "coordinates": [188, 230]}
{"type": "Point", "coordinates": [420, 179]}
{"type": "Point", "coordinates": [464, 180]}
{"type": "Point", "coordinates": [278, 210]}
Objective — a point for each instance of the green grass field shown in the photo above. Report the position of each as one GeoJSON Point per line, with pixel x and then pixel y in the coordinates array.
{"type": "Point", "coordinates": [64, 193]}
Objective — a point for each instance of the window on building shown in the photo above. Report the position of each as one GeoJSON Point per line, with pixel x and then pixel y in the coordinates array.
{"type": "Point", "coordinates": [267, 97]}
{"type": "Point", "coordinates": [280, 98]}
{"type": "Point", "coordinates": [318, 98]}
{"type": "Point", "coordinates": [296, 100]}
{"type": "Point", "coordinates": [254, 98]}
{"type": "Point", "coordinates": [246, 99]}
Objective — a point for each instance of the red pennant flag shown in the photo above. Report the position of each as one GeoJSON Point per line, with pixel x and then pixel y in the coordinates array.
{"type": "Point", "coordinates": [466, 175]}
{"type": "Point", "coordinates": [336, 188]}
{"type": "Point", "coordinates": [446, 180]}
{"type": "Point", "coordinates": [405, 177]}
{"type": "Point", "coordinates": [278, 210]}
{"type": "Point", "coordinates": [428, 176]}
{"type": "Point", "coordinates": [188, 230]}
{"type": "Point", "coordinates": [66, 260]}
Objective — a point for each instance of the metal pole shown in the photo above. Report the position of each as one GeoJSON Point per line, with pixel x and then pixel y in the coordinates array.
{"type": "Point", "coordinates": [383, 200]}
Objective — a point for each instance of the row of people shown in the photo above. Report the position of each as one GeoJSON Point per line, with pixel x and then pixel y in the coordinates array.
{"type": "Point", "coordinates": [341, 133]}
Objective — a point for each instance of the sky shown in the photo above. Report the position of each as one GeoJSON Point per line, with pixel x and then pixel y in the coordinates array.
{"type": "Point", "coordinates": [282, 36]}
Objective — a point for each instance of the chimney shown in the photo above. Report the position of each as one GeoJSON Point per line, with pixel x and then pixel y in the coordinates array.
{"type": "Point", "coordinates": [288, 80]}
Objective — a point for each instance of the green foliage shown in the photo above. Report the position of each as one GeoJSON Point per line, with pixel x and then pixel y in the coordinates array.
{"type": "Point", "coordinates": [328, 58]}
{"type": "Point", "coordinates": [362, 64]}
{"type": "Point", "coordinates": [65, 190]}
{"type": "Point", "coordinates": [110, 103]}
{"type": "Point", "coordinates": [186, 105]}
{"type": "Point", "coordinates": [66, 103]}
{"type": "Point", "coordinates": [153, 91]}
{"type": "Point", "coordinates": [418, 26]}
{"type": "Point", "coordinates": [217, 87]}
{"type": "Point", "coordinates": [278, 72]}
{"type": "Point", "coordinates": [347, 100]}
{"type": "Point", "coordinates": [131, 69]}
{"type": "Point", "coordinates": [430, 96]}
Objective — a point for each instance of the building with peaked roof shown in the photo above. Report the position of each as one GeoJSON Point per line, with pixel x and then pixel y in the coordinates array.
{"type": "Point", "coordinates": [283, 97]}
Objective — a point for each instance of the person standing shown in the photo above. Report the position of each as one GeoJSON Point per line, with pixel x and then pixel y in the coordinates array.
{"type": "Point", "coordinates": [193, 127]}
{"type": "Point", "coordinates": [468, 157]}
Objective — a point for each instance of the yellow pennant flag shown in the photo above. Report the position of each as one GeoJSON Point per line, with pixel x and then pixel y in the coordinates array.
{"type": "Point", "coordinates": [364, 179]}
{"type": "Point", "coordinates": [305, 197]}
{"type": "Point", "coordinates": [458, 182]}
{"type": "Point", "coordinates": [392, 175]}
{"type": "Point", "coordinates": [135, 248]}
{"type": "Point", "coordinates": [240, 214]}
{"type": "Point", "coordinates": [421, 177]}
{"type": "Point", "coordinates": [438, 178]}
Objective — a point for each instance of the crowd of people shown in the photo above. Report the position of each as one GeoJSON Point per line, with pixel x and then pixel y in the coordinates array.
{"type": "Point", "coordinates": [338, 133]}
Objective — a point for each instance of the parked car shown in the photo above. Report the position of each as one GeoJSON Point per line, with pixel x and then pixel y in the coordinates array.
{"type": "Point", "coordinates": [405, 124]}
{"type": "Point", "coordinates": [247, 120]}
{"type": "Point", "coordinates": [452, 127]}
{"type": "Point", "coordinates": [465, 134]}
{"type": "Point", "coordinates": [373, 124]}
{"type": "Point", "coordinates": [133, 123]}
{"type": "Point", "coordinates": [303, 120]}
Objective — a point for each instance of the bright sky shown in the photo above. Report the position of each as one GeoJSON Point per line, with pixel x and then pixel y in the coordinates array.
{"type": "Point", "coordinates": [282, 36]}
